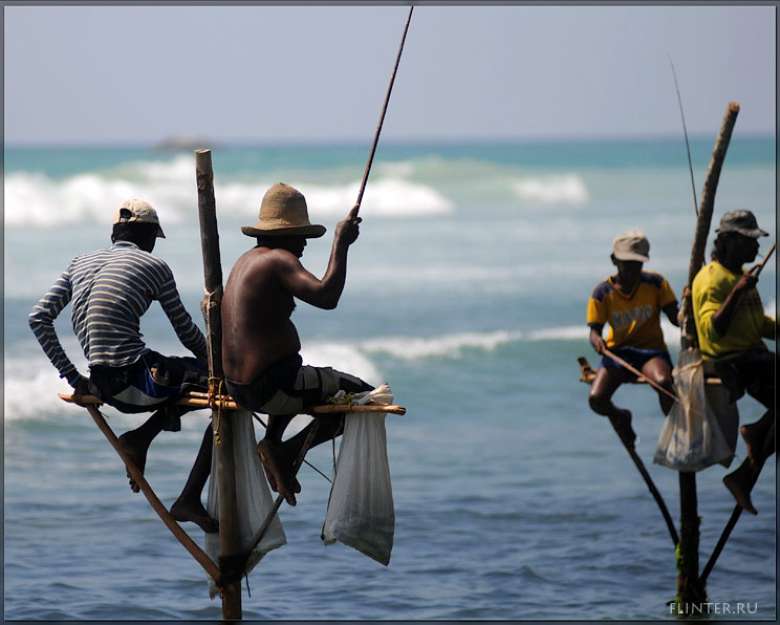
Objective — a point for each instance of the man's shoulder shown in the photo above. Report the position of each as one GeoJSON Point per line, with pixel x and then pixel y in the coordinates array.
{"type": "Point", "coordinates": [602, 290]}
{"type": "Point", "coordinates": [264, 259]}
{"type": "Point", "coordinates": [709, 273]}
{"type": "Point", "coordinates": [652, 278]}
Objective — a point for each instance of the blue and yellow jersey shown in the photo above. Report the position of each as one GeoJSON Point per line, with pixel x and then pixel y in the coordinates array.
{"type": "Point", "coordinates": [634, 320]}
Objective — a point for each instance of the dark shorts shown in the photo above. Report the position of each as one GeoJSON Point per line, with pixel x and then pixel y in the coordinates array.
{"type": "Point", "coordinates": [289, 386]}
{"type": "Point", "coordinates": [154, 381]}
{"type": "Point", "coordinates": [751, 371]}
{"type": "Point", "coordinates": [636, 357]}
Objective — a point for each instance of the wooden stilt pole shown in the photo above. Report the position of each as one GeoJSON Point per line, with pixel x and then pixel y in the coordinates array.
{"type": "Point", "coordinates": [229, 545]}
{"type": "Point", "coordinates": [157, 505]}
{"type": "Point", "coordinates": [690, 588]}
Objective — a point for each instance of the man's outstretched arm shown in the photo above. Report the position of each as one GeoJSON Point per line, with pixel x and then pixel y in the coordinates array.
{"type": "Point", "coordinates": [41, 322]}
{"type": "Point", "coordinates": [323, 293]}
{"type": "Point", "coordinates": [189, 334]}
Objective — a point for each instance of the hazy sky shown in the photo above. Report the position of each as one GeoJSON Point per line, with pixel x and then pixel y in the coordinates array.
{"type": "Point", "coordinates": [262, 73]}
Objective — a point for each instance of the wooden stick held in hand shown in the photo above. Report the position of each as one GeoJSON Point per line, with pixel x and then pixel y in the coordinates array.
{"type": "Point", "coordinates": [637, 372]}
{"type": "Point", "coordinates": [756, 271]}
{"type": "Point", "coordinates": [382, 115]}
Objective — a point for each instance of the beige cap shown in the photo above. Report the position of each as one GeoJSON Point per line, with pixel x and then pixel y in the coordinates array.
{"type": "Point", "coordinates": [631, 245]}
{"type": "Point", "coordinates": [138, 211]}
{"type": "Point", "coordinates": [283, 212]}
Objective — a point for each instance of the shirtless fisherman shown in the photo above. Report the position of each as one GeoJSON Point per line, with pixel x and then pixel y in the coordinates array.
{"type": "Point", "coordinates": [731, 323]}
{"type": "Point", "coordinates": [263, 369]}
{"type": "Point", "coordinates": [111, 289]}
{"type": "Point", "coordinates": [631, 302]}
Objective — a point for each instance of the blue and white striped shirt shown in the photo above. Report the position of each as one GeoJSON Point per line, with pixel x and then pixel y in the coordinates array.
{"type": "Point", "coordinates": [111, 289]}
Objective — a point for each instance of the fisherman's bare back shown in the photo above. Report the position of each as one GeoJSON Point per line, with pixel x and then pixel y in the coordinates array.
{"type": "Point", "coordinates": [259, 300]}
{"type": "Point", "coordinates": [256, 325]}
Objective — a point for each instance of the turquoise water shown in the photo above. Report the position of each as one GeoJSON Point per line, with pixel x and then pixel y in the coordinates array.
{"type": "Point", "coordinates": [466, 292]}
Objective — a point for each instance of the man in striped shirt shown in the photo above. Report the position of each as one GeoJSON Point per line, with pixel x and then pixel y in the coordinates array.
{"type": "Point", "coordinates": [110, 290]}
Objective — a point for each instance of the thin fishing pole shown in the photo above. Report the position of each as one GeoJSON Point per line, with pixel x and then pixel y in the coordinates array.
{"type": "Point", "coordinates": [685, 132]}
{"type": "Point", "coordinates": [306, 462]}
{"type": "Point", "coordinates": [384, 111]}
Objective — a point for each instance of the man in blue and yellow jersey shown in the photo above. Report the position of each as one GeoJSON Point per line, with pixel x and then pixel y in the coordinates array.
{"type": "Point", "coordinates": [731, 325]}
{"type": "Point", "coordinates": [631, 302]}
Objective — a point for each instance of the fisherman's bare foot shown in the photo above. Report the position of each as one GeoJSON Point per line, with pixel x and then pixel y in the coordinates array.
{"type": "Point", "coordinates": [739, 483]}
{"type": "Point", "coordinates": [751, 434]}
{"type": "Point", "coordinates": [184, 510]}
{"type": "Point", "coordinates": [278, 471]}
{"type": "Point", "coordinates": [137, 452]}
{"type": "Point", "coordinates": [621, 421]}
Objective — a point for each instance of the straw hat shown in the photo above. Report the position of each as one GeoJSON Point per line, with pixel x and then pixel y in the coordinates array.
{"type": "Point", "coordinates": [283, 213]}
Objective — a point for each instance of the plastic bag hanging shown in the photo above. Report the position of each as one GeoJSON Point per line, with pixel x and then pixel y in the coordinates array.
{"type": "Point", "coordinates": [360, 510]}
{"type": "Point", "coordinates": [253, 496]}
{"type": "Point", "coordinates": [691, 438]}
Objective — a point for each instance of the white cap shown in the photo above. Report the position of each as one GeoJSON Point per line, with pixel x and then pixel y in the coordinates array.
{"type": "Point", "coordinates": [138, 211]}
{"type": "Point", "coordinates": [631, 245]}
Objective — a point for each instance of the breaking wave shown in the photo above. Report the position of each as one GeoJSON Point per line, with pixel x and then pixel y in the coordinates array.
{"type": "Point", "coordinates": [32, 383]}
{"type": "Point", "coordinates": [35, 199]}
{"type": "Point", "coordinates": [456, 345]}
{"type": "Point", "coordinates": [569, 189]}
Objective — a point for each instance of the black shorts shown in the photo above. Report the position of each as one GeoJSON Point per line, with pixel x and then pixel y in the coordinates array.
{"type": "Point", "coordinates": [751, 371]}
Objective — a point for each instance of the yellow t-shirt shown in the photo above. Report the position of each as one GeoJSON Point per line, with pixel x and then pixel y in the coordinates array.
{"type": "Point", "coordinates": [749, 324]}
{"type": "Point", "coordinates": [634, 320]}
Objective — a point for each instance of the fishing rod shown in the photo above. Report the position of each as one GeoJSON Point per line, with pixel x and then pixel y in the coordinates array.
{"type": "Point", "coordinates": [756, 271]}
{"type": "Point", "coordinates": [685, 132]}
{"type": "Point", "coordinates": [382, 116]}
{"type": "Point", "coordinates": [638, 373]}
{"type": "Point", "coordinates": [306, 462]}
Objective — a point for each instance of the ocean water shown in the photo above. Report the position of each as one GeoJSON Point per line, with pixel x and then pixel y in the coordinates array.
{"type": "Point", "coordinates": [466, 292]}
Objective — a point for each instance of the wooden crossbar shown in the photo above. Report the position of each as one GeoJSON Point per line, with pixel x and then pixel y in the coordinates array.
{"type": "Point", "coordinates": [200, 399]}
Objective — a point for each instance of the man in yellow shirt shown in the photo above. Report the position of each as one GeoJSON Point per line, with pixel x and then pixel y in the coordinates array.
{"type": "Point", "coordinates": [631, 302]}
{"type": "Point", "coordinates": [731, 323]}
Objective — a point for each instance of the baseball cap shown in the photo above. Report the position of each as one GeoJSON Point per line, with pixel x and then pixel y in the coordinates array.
{"type": "Point", "coordinates": [138, 211]}
{"type": "Point", "coordinates": [631, 245]}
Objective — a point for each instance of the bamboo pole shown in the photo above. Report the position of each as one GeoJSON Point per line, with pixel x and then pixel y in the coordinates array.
{"type": "Point", "coordinates": [383, 113]}
{"type": "Point", "coordinates": [690, 588]}
{"type": "Point", "coordinates": [756, 271]}
{"type": "Point", "coordinates": [229, 539]}
{"type": "Point", "coordinates": [195, 399]}
{"type": "Point", "coordinates": [659, 500]}
{"type": "Point", "coordinates": [737, 512]}
{"type": "Point", "coordinates": [704, 218]}
{"type": "Point", "coordinates": [200, 556]}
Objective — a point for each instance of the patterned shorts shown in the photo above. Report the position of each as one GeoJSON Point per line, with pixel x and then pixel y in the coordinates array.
{"type": "Point", "coordinates": [288, 387]}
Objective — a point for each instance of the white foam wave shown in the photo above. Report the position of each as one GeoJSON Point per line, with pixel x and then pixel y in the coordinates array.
{"type": "Point", "coordinates": [568, 189]}
{"type": "Point", "coordinates": [32, 384]}
{"type": "Point", "coordinates": [455, 345]}
{"type": "Point", "coordinates": [771, 309]}
{"type": "Point", "coordinates": [34, 199]}
{"type": "Point", "coordinates": [413, 348]}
